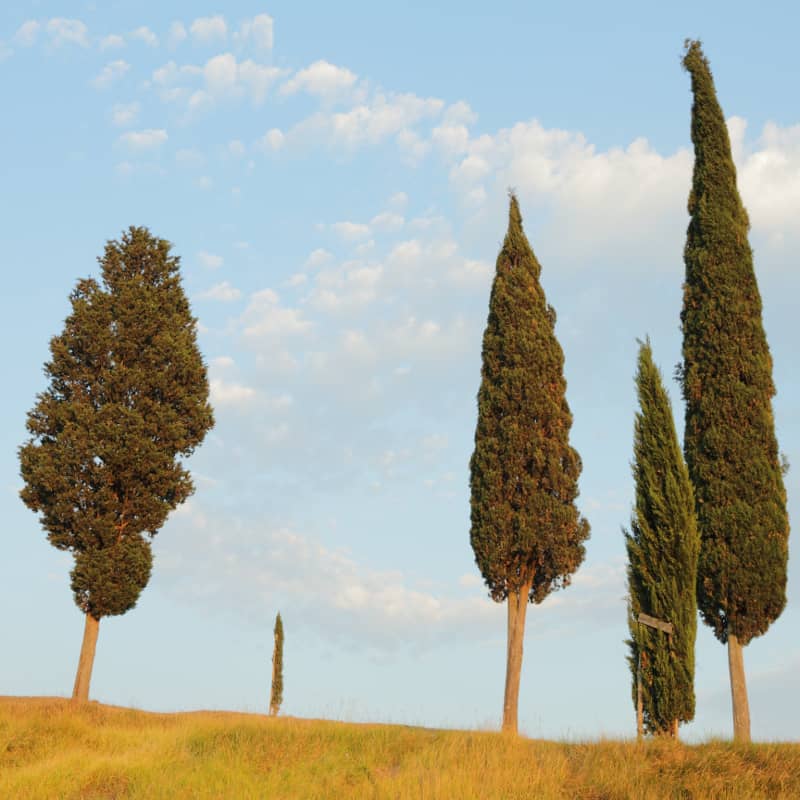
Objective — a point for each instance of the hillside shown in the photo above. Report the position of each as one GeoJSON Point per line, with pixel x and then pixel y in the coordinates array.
{"type": "Point", "coordinates": [48, 749]}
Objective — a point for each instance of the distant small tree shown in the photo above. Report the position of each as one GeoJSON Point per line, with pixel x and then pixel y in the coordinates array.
{"type": "Point", "coordinates": [127, 401]}
{"type": "Point", "coordinates": [730, 444]}
{"type": "Point", "coordinates": [662, 546]}
{"type": "Point", "coordinates": [276, 695]}
{"type": "Point", "coordinates": [526, 532]}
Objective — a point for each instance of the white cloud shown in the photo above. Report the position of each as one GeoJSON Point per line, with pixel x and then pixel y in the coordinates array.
{"type": "Point", "coordinates": [258, 30]}
{"type": "Point", "coordinates": [318, 257]}
{"type": "Point", "coordinates": [112, 42]}
{"type": "Point", "coordinates": [387, 222]}
{"type": "Point", "coordinates": [190, 157]}
{"type": "Point", "coordinates": [460, 113]}
{"type": "Point", "coordinates": [67, 31]}
{"type": "Point", "coordinates": [321, 79]}
{"type": "Point", "coordinates": [769, 180]}
{"type": "Point", "coordinates": [236, 148]}
{"type": "Point", "coordinates": [222, 362]}
{"type": "Point", "coordinates": [144, 34]}
{"type": "Point", "coordinates": [209, 29]}
{"type": "Point", "coordinates": [350, 231]}
{"type": "Point", "coordinates": [398, 201]}
{"type": "Point", "coordinates": [264, 317]}
{"type": "Point", "coordinates": [223, 292]}
{"type": "Point", "coordinates": [27, 33]}
{"type": "Point", "coordinates": [177, 33]}
{"type": "Point", "coordinates": [110, 73]}
{"type": "Point", "coordinates": [210, 260]}
{"type": "Point", "coordinates": [272, 140]}
{"type": "Point", "coordinates": [258, 78]}
{"type": "Point", "coordinates": [413, 146]}
{"type": "Point", "coordinates": [124, 114]}
{"type": "Point", "coordinates": [230, 394]}
{"type": "Point", "coordinates": [144, 140]}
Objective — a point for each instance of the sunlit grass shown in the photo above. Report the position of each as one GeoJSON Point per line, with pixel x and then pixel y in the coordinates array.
{"type": "Point", "coordinates": [49, 749]}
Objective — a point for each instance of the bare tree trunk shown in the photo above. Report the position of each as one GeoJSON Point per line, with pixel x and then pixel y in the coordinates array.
{"type": "Point", "coordinates": [674, 729]}
{"type": "Point", "coordinates": [741, 708]}
{"type": "Point", "coordinates": [639, 700]}
{"type": "Point", "coordinates": [517, 608]}
{"type": "Point", "coordinates": [80, 692]}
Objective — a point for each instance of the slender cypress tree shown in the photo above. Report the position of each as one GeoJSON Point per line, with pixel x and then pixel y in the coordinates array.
{"type": "Point", "coordinates": [526, 532]}
{"type": "Point", "coordinates": [127, 400]}
{"type": "Point", "coordinates": [662, 546]}
{"type": "Point", "coordinates": [730, 443]}
{"type": "Point", "coordinates": [276, 694]}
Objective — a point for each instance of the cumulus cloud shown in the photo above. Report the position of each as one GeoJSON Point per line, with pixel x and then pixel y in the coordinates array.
{"type": "Point", "coordinates": [223, 292]}
{"type": "Point", "coordinates": [110, 73]}
{"type": "Point", "coordinates": [210, 260]}
{"type": "Point", "coordinates": [145, 35]}
{"type": "Point", "coordinates": [230, 394]}
{"type": "Point", "coordinates": [209, 29]}
{"type": "Point", "coordinates": [258, 31]}
{"type": "Point", "coordinates": [67, 31]}
{"type": "Point", "coordinates": [350, 231]}
{"type": "Point", "coordinates": [112, 42]}
{"type": "Point", "coordinates": [177, 33]}
{"type": "Point", "coordinates": [125, 114]}
{"type": "Point", "coordinates": [222, 77]}
{"type": "Point", "coordinates": [27, 33]}
{"type": "Point", "coordinates": [148, 139]}
{"type": "Point", "coordinates": [273, 139]}
{"type": "Point", "coordinates": [265, 317]}
{"type": "Point", "coordinates": [322, 79]}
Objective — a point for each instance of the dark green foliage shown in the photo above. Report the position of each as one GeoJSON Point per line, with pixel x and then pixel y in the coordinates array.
{"type": "Point", "coordinates": [276, 695]}
{"type": "Point", "coordinates": [127, 400]}
{"type": "Point", "coordinates": [523, 472]}
{"type": "Point", "coordinates": [662, 547]}
{"type": "Point", "coordinates": [730, 444]}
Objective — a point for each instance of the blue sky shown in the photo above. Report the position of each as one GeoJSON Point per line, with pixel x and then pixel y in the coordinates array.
{"type": "Point", "coordinates": [335, 179]}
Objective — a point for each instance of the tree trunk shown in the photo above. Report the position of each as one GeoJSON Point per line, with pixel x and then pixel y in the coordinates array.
{"type": "Point", "coordinates": [517, 608]}
{"type": "Point", "coordinates": [741, 708]}
{"type": "Point", "coordinates": [674, 729]}
{"type": "Point", "coordinates": [639, 700]}
{"type": "Point", "coordinates": [80, 692]}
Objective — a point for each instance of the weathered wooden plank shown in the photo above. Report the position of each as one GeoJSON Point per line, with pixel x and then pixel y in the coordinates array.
{"type": "Point", "coordinates": [653, 622]}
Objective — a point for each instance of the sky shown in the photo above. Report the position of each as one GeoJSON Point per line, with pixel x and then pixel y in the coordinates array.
{"type": "Point", "coordinates": [335, 180]}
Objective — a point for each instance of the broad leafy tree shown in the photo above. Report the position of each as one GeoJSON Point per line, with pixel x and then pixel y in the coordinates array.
{"type": "Point", "coordinates": [730, 444]}
{"type": "Point", "coordinates": [526, 532]}
{"type": "Point", "coordinates": [126, 402]}
{"type": "Point", "coordinates": [662, 547]}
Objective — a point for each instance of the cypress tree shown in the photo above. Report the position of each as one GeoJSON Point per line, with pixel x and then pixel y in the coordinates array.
{"type": "Point", "coordinates": [276, 695]}
{"type": "Point", "coordinates": [662, 547]}
{"type": "Point", "coordinates": [726, 375]}
{"type": "Point", "coordinates": [127, 400]}
{"type": "Point", "coordinates": [526, 532]}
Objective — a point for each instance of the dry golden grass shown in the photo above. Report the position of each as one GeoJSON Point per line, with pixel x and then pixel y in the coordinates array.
{"type": "Point", "coordinates": [49, 750]}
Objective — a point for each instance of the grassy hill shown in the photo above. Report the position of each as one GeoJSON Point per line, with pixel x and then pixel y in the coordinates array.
{"type": "Point", "coordinates": [48, 749]}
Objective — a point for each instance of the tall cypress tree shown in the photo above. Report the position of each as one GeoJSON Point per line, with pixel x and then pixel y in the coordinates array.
{"type": "Point", "coordinates": [276, 693]}
{"type": "Point", "coordinates": [526, 532]}
{"type": "Point", "coordinates": [662, 547]}
{"type": "Point", "coordinates": [127, 400]}
{"type": "Point", "coordinates": [730, 443]}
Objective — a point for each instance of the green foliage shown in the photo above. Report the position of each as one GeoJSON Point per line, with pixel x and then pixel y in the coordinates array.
{"type": "Point", "coordinates": [729, 441]}
{"type": "Point", "coordinates": [662, 547]}
{"type": "Point", "coordinates": [276, 695]}
{"type": "Point", "coordinates": [523, 472]}
{"type": "Point", "coordinates": [127, 400]}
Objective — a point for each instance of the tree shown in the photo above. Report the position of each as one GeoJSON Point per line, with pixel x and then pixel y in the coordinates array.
{"type": "Point", "coordinates": [662, 546]}
{"type": "Point", "coordinates": [726, 376]}
{"type": "Point", "coordinates": [127, 400]}
{"type": "Point", "coordinates": [276, 695]}
{"type": "Point", "coordinates": [526, 532]}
